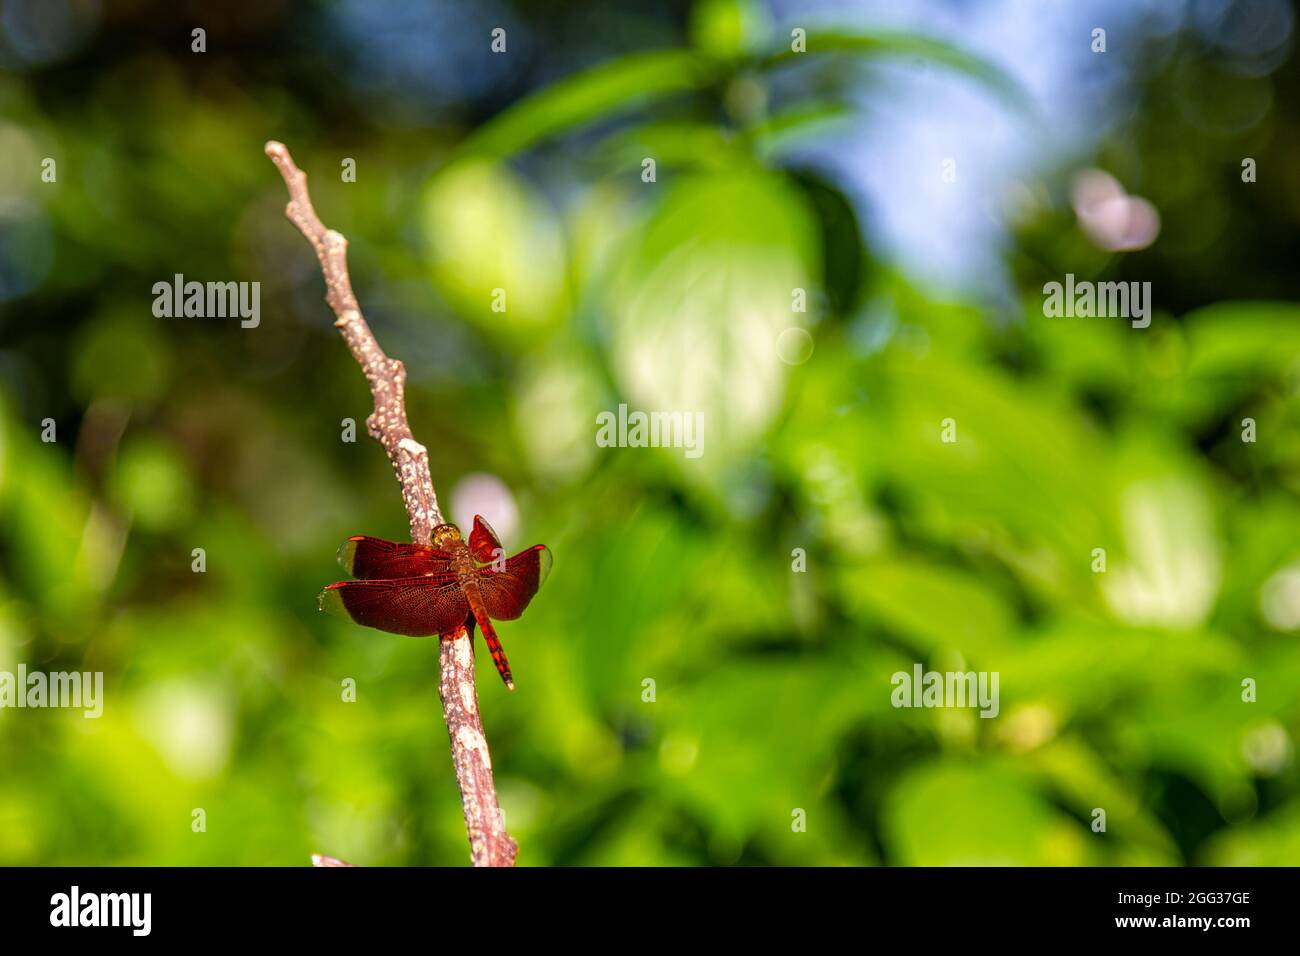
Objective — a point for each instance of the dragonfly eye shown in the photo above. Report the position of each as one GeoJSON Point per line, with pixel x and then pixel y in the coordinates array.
{"type": "Point", "coordinates": [445, 533]}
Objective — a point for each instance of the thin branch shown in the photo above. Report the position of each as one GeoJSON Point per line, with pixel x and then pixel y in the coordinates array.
{"type": "Point", "coordinates": [489, 843]}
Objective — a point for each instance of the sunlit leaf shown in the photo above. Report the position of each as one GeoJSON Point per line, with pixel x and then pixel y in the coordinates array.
{"type": "Point", "coordinates": [699, 300]}
{"type": "Point", "coordinates": [497, 249]}
{"type": "Point", "coordinates": [1169, 570]}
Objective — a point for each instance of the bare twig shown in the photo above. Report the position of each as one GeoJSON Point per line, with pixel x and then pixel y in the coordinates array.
{"type": "Point", "coordinates": [490, 844]}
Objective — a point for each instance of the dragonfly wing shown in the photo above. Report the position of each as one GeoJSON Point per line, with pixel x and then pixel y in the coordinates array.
{"type": "Point", "coordinates": [483, 542]}
{"type": "Point", "coordinates": [506, 593]}
{"type": "Point", "coordinates": [369, 558]}
{"type": "Point", "coordinates": [416, 607]}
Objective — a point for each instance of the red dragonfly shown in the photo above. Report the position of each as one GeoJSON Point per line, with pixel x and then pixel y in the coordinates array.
{"type": "Point", "coordinates": [420, 589]}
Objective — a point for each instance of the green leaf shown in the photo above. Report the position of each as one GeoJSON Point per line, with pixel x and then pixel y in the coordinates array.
{"type": "Point", "coordinates": [1171, 567]}
{"type": "Point", "coordinates": [615, 86]}
{"type": "Point", "coordinates": [957, 814]}
{"type": "Point", "coordinates": [1090, 668]}
{"type": "Point", "coordinates": [902, 44]}
{"type": "Point", "coordinates": [934, 606]}
{"type": "Point", "coordinates": [1025, 476]}
{"type": "Point", "coordinates": [1242, 337]}
{"type": "Point", "coordinates": [1084, 781]}
{"type": "Point", "coordinates": [794, 127]}
{"type": "Point", "coordinates": [703, 146]}
{"type": "Point", "coordinates": [498, 250]}
{"type": "Point", "coordinates": [1271, 841]}
{"type": "Point", "coordinates": [729, 28]}
{"type": "Point", "coordinates": [699, 300]}
{"type": "Point", "coordinates": [44, 513]}
{"type": "Point", "coordinates": [755, 740]}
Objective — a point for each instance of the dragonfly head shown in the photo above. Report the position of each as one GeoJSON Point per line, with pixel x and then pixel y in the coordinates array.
{"type": "Point", "coordinates": [445, 534]}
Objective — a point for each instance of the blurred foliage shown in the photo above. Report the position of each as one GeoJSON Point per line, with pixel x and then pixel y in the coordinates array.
{"type": "Point", "coordinates": [772, 688]}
